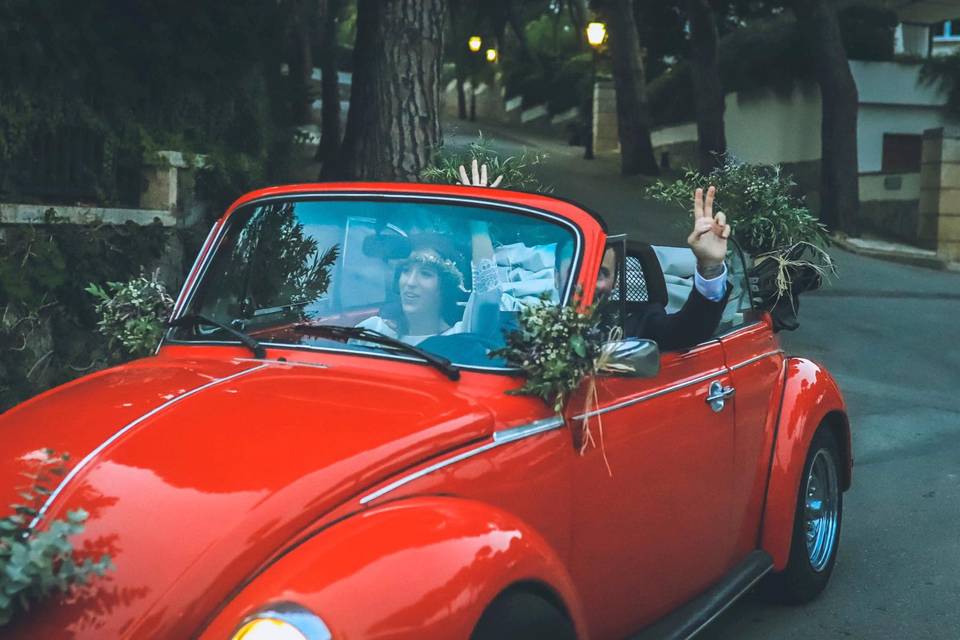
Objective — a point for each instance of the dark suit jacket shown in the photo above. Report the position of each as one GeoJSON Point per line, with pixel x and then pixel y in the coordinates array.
{"type": "Point", "coordinates": [695, 322]}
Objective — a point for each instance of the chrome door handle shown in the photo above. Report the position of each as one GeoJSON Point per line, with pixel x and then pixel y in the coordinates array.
{"type": "Point", "coordinates": [717, 395]}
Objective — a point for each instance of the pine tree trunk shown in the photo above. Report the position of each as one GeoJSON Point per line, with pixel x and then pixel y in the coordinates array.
{"type": "Point", "coordinates": [329, 89]}
{"type": "Point", "coordinates": [393, 124]}
{"type": "Point", "coordinates": [839, 170]}
{"type": "Point", "coordinates": [301, 63]}
{"type": "Point", "coordinates": [708, 92]}
{"type": "Point", "coordinates": [633, 119]}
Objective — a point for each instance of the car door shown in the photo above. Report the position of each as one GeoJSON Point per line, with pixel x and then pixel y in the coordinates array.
{"type": "Point", "coordinates": [755, 360]}
{"type": "Point", "coordinates": [651, 501]}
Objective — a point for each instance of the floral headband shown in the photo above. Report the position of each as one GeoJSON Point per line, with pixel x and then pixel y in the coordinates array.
{"type": "Point", "coordinates": [442, 265]}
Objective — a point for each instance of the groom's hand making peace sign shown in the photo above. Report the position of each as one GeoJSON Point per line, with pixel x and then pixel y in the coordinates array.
{"type": "Point", "coordinates": [709, 236]}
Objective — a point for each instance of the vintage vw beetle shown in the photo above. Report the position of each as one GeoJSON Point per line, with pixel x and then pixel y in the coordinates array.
{"type": "Point", "coordinates": [264, 477]}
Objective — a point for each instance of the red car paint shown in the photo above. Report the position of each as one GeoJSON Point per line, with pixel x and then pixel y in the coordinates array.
{"type": "Point", "coordinates": [220, 483]}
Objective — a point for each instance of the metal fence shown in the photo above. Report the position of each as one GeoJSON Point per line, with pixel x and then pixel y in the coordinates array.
{"type": "Point", "coordinates": [72, 165]}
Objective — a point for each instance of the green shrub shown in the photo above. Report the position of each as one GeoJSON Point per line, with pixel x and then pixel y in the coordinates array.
{"type": "Point", "coordinates": [34, 564]}
{"type": "Point", "coordinates": [132, 313]}
{"type": "Point", "coordinates": [47, 325]}
{"type": "Point", "coordinates": [760, 203]}
{"type": "Point", "coordinates": [943, 73]}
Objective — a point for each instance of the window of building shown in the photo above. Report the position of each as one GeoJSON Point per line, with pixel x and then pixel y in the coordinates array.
{"type": "Point", "coordinates": [901, 152]}
{"type": "Point", "coordinates": [947, 31]}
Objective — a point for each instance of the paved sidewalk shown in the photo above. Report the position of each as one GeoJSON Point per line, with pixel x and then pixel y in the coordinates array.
{"type": "Point", "coordinates": [895, 252]}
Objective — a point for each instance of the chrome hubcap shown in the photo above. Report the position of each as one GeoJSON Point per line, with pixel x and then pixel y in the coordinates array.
{"type": "Point", "coordinates": [821, 516]}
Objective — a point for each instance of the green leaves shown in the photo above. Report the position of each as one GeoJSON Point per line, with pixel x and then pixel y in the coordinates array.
{"type": "Point", "coordinates": [518, 171]}
{"type": "Point", "coordinates": [34, 564]}
{"type": "Point", "coordinates": [556, 347]}
{"type": "Point", "coordinates": [132, 313]}
{"type": "Point", "coordinates": [759, 201]}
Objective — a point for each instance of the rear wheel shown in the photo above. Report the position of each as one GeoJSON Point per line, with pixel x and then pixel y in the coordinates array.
{"type": "Point", "coordinates": [519, 615]}
{"type": "Point", "coordinates": [816, 526]}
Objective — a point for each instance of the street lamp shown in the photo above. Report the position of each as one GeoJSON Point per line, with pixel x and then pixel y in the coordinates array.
{"type": "Point", "coordinates": [491, 55]}
{"type": "Point", "coordinates": [596, 35]}
{"type": "Point", "coordinates": [474, 43]}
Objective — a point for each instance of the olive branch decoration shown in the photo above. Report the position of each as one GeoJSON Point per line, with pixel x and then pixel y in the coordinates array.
{"type": "Point", "coordinates": [558, 347]}
{"type": "Point", "coordinates": [35, 563]}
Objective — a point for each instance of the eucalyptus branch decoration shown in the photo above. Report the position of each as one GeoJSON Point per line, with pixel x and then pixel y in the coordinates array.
{"type": "Point", "coordinates": [761, 203]}
{"type": "Point", "coordinates": [557, 347]}
{"type": "Point", "coordinates": [34, 563]}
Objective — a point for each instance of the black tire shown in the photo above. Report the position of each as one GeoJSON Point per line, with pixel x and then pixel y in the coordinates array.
{"type": "Point", "coordinates": [521, 615]}
{"type": "Point", "coordinates": [809, 567]}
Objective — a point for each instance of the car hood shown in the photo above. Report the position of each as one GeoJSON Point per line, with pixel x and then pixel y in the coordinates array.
{"type": "Point", "coordinates": [194, 472]}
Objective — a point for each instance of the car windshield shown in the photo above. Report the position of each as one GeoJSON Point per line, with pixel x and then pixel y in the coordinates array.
{"type": "Point", "coordinates": [447, 278]}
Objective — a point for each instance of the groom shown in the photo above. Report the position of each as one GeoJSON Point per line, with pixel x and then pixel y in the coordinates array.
{"type": "Point", "coordinates": [700, 315]}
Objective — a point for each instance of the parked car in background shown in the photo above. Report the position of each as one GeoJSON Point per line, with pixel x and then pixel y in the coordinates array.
{"type": "Point", "coordinates": [277, 471]}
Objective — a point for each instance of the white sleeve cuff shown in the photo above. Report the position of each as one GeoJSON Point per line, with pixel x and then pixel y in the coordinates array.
{"type": "Point", "coordinates": [712, 289]}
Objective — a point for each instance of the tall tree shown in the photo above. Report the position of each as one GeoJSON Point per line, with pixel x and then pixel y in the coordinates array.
{"type": "Point", "coordinates": [301, 15]}
{"type": "Point", "coordinates": [633, 117]}
{"type": "Point", "coordinates": [839, 172]}
{"type": "Point", "coordinates": [707, 90]}
{"type": "Point", "coordinates": [329, 146]}
{"type": "Point", "coordinates": [393, 124]}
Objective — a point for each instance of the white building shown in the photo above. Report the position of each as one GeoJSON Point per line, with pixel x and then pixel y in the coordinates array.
{"type": "Point", "coordinates": [895, 109]}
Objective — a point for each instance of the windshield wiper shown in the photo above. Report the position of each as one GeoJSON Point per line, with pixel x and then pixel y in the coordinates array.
{"type": "Point", "coordinates": [337, 332]}
{"type": "Point", "coordinates": [197, 319]}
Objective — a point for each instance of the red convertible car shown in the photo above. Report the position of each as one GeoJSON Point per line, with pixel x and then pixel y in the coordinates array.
{"type": "Point", "coordinates": [322, 446]}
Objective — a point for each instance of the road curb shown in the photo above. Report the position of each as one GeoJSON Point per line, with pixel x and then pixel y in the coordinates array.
{"type": "Point", "coordinates": [903, 256]}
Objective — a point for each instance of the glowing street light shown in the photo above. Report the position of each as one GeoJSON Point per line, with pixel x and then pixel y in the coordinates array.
{"type": "Point", "coordinates": [475, 42]}
{"type": "Point", "coordinates": [596, 33]}
{"type": "Point", "coordinates": [491, 55]}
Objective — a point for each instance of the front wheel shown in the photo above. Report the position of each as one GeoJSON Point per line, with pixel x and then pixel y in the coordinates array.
{"type": "Point", "coordinates": [519, 615]}
{"type": "Point", "coordinates": [816, 525]}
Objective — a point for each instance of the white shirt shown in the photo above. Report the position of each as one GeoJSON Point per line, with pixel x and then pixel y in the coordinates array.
{"type": "Point", "coordinates": [713, 288]}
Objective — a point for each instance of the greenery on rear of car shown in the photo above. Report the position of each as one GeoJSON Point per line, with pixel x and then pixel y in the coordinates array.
{"type": "Point", "coordinates": [770, 221]}
{"type": "Point", "coordinates": [760, 202]}
{"type": "Point", "coordinates": [35, 564]}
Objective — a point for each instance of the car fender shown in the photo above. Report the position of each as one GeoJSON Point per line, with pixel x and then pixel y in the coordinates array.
{"type": "Point", "coordinates": [423, 567]}
{"type": "Point", "coordinates": [810, 398]}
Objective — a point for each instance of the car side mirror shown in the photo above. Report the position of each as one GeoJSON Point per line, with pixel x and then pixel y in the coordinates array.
{"type": "Point", "coordinates": [633, 358]}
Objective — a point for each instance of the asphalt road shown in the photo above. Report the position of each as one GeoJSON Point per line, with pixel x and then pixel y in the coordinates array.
{"type": "Point", "coordinates": [890, 334]}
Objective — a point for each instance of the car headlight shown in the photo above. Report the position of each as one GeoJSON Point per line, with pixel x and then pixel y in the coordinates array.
{"type": "Point", "coordinates": [283, 621]}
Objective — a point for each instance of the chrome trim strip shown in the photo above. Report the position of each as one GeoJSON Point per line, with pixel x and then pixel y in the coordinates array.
{"type": "Point", "coordinates": [499, 438]}
{"type": "Point", "coordinates": [650, 396]}
{"type": "Point", "coordinates": [106, 443]}
{"type": "Point", "coordinates": [755, 358]}
{"type": "Point", "coordinates": [527, 430]}
{"type": "Point", "coordinates": [730, 602]}
{"type": "Point", "coordinates": [202, 252]}
{"type": "Point", "coordinates": [732, 330]}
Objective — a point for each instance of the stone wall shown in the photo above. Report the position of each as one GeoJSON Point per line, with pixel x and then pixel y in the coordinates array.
{"type": "Point", "coordinates": [939, 216]}
{"type": "Point", "coordinates": [605, 135]}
